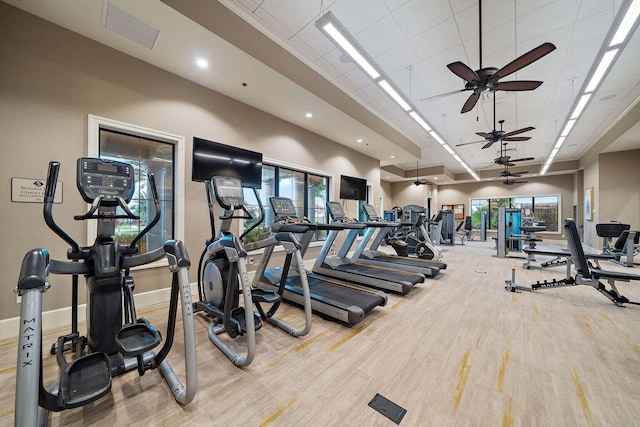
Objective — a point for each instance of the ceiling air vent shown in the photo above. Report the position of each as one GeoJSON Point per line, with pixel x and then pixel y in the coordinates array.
{"type": "Point", "coordinates": [130, 27]}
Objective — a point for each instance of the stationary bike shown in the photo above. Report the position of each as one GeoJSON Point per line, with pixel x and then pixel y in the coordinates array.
{"type": "Point", "coordinates": [112, 345]}
{"type": "Point", "coordinates": [222, 275]}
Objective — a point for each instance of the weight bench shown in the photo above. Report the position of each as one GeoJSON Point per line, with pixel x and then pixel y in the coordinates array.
{"type": "Point", "coordinates": [561, 256]}
{"type": "Point", "coordinates": [585, 273]}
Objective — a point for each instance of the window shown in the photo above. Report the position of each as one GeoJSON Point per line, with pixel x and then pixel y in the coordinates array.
{"type": "Point", "coordinates": [542, 208]}
{"type": "Point", "coordinates": [309, 192]}
{"type": "Point", "coordinates": [149, 152]}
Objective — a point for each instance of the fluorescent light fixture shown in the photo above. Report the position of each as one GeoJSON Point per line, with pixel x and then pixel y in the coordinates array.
{"type": "Point", "coordinates": [455, 156]}
{"type": "Point", "coordinates": [604, 65]}
{"type": "Point", "coordinates": [202, 63]}
{"type": "Point", "coordinates": [581, 104]}
{"type": "Point", "coordinates": [435, 136]}
{"type": "Point", "coordinates": [415, 116]}
{"type": "Point", "coordinates": [627, 23]}
{"type": "Point", "coordinates": [350, 47]}
{"type": "Point", "coordinates": [395, 95]}
{"type": "Point", "coordinates": [244, 162]}
{"type": "Point", "coordinates": [568, 127]}
{"type": "Point", "coordinates": [553, 153]}
{"type": "Point", "coordinates": [560, 142]}
{"type": "Point", "coordinates": [449, 149]}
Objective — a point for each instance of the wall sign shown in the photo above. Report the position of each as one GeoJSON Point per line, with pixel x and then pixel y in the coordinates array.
{"type": "Point", "coordinates": [31, 190]}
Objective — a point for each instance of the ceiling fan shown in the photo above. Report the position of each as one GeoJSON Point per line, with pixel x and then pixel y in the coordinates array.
{"type": "Point", "coordinates": [506, 173]}
{"type": "Point", "coordinates": [499, 135]}
{"type": "Point", "coordinates": [512, 182]}
{"type": "Point", "coordinates": [506, 160]}
{"type": "Point", "coordinates": [419, 181]}
{"type": "Point", "coordinates": [487, 78]}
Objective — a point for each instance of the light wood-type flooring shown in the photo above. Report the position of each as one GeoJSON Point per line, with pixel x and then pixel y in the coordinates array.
{"type": "Point", "coordinates": [458, 350]}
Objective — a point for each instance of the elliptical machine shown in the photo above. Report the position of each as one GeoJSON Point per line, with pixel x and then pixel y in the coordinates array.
{"type": "Point", "coordinates": [111, 346]}
{"type": "Point", "coordinates": [222, 275]}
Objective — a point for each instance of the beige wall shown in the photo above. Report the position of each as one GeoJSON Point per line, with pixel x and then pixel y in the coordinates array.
{"type": "Point", "coordinates": [51, 79]}
{"type": "Point", "coordinates": [619, 185]}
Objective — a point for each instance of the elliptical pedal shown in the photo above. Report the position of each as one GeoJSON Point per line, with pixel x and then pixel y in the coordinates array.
{"type": "Point", "coordinates": [137, 338]}
{"type": "Point", "coordinates": [84, 380]}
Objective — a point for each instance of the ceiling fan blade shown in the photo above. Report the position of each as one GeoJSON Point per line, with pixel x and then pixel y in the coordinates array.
{"type": "Point", "coordinates": [516, 132]}
{"type": "Point", "coordinates": [524, 159]}
{"type": "Point", "coordinates": [463, 71]}
{"type": "Point", "coordinates": [442, 95]}
{"type": "Point", "coordinates": [517, 85]}
{"type": "Point", "coordinates": [517, 138]}
{"type": "Point", "coordinates": [469, 143]}
{"type": "Point", "coordinates": [488, 144]}
{"type": "Point", "coordinates": [471, 102]}
{"type": "Point", "coordinates": [525, 59]}
{"type": "Point", "coordinates": [485, 135]}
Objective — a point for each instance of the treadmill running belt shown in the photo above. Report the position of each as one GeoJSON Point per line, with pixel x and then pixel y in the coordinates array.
{"type": "Point", "coordinates": [379, 273]}
{"type": "Point", "coordinates": [332, 292]}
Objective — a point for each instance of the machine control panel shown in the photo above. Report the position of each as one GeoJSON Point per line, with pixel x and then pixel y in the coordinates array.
{"type": "Point", "coordinates": [107, 178]}
{"type": "Point", "coordinates": [336, 211]}
{"type": "Point", "coordinates": [228, 191]}
{"type": "Point", "coordinates": [282, 206]}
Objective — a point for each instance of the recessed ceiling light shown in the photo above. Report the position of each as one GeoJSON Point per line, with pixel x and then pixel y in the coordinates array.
{"type": "Point", "coordinates": [202, 63]}
{"type": "Point", "coordinates": [393, 157]}
{"type": "Point", "coordinates": [359, 140]}
{"type": "Point", "coordinates": [435, 177]}
{"type": "Point", "coordinates": [308, 115]}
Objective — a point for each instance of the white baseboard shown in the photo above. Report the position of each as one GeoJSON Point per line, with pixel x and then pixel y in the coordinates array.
{"type": "Point", "coordinates": [60, 318]}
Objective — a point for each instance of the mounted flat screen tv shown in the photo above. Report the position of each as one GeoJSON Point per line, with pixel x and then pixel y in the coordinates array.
{"type": "Point", "coordinates": [215, 159]}
{"type": "Point", "coordinates": [353, 188]}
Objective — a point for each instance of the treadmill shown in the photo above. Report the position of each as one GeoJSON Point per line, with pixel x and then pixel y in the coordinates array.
{"type": "Point", "coordinates": [374, 257]}
{"type": "Point", "coordinates": [341, 267]}
{"type": "Point", "coordinates": [345, 302]}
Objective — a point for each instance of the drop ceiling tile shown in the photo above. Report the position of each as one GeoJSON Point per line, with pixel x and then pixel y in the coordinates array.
{"type": "Point", "coordinates": [356, 15]}
{"type": "Point", "coordinates": [384, 35]}
{"type": "Point", "coordinates": [417, 16]}
{"type": "Point", "coordinates": [436, 40]}
{"type": "Point", "coordinates": [397, 59]}
{"type": "Point", "coordinates": [547, 19]}
{"type": "Point", "coordinates": [594, 7]}
{"type": "Point", "coordinates": [460, 5]}
{"type": "Point", "coordinates": [358, 77]}
{"type": "Point", "coordinates": [273, 23]}
{"type": "Point", "coordinates": [394, 4]}
{"type": "Point", "coordinates": [293, 15]}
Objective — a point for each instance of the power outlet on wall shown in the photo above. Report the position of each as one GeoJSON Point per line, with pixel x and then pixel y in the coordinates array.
{"type": "Point", "coordinates": [18, 299]}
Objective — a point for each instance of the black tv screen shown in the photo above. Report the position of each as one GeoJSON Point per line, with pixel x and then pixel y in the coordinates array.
{"type": "Point", "coordinates": [215, 159]}
{"type": "Point", "coordinates": [353, 188]}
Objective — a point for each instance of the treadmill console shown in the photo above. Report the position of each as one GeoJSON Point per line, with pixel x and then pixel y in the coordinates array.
{"type": "Point", "coordinates": [107, 178]}
{"type": "Point", "coordinates": [336, 211]}
{"type": "Point", "coordinates": [370, 212]}
{"type": "Point", "coordinates": [282, 206]}
{"type": "Point", "coordinates": [228, 192]}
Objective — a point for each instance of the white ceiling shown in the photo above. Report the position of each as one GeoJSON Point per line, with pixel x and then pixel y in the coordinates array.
{"type": "Point", "coordinates": [412, 41]}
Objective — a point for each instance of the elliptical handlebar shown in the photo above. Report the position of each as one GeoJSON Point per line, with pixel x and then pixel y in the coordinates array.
{"type": "Point", "coordinates": [156, 202]}
{"type": "Point", "coordinates": [47, 210]}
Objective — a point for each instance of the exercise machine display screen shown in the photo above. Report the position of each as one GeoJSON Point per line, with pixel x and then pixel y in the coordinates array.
{"type": "Point", "coordinates": [282, 206]}
{"type": "Point", "coordinates": [336, 211]}
{"type": "Point", "coordinates": [228, 191]}
{"type": "Point", "coordinates": [107, 178]}
{"type": "Point", "coordinates": [370, 212]}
